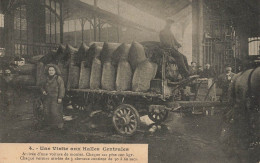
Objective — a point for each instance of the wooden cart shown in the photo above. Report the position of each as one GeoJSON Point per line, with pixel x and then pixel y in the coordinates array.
{"type": "Point", "coordinates": [127, 106]}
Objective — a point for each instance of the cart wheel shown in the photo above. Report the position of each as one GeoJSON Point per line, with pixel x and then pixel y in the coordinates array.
{"type": "Point", "coordinates": [157, 114]}
{"type": "Point", "coordinates": [126, 119]}
{"type": "Point", "coordinates": [78, 106]}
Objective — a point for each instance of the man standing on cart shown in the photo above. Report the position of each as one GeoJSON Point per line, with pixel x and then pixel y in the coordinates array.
{"type": "Point", "coordinates": [170, 44]}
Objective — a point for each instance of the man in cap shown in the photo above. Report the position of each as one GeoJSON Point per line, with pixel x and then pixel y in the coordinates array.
{"type": "Point", "coordinates": [170, 44]}
{"type": "Point", "coordinates": [224, 81]}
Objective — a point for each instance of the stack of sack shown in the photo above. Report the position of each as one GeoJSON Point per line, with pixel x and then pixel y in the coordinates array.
{"type": "Point", "coordinates": [74, 69]}
{"type": "Point", "coordinates": [61, 59]}
{"type": "Point", "coordinates": [81, 58]}
{"type": "Point", "coordinates": [144, 70]}
{"type": "Point", "coordinates": [114, 66]}
{"type": "Point", "coordinates": [124, 70]}
{"type": "Point", "coordinates": [93, 64]}
{"type": "Point", "coordinates": [108, 78]}
{"type": "Point", "coordinates": [107, 66]}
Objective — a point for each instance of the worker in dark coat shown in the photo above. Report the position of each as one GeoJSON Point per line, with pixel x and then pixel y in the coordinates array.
{"type": "Point", "coordinates": [169, 43]}
{"type": "Point", "coordinates": [224, 81]}
{"type": "Point", "coordinates": [208, 72]}
{"type": "Point", "coordinates": [53, 91]}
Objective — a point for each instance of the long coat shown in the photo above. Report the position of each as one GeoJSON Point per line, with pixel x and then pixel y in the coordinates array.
{"type": "Point", "coordinates": [224, 81]}
{"type": "Point", "coordinates": [55, 90]}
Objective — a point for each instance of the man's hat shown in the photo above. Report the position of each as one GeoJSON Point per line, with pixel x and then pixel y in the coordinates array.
{"type": "Point", "coordinates": [169, 21]}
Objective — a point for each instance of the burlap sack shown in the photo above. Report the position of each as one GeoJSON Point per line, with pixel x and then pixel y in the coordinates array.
{"type": "Point", "coordinates": [93, 52]}
{"type": "Point", "coordinates": [108, 76]}
{"type": "Point", "coordinates": [124, 76]}
{"type": "Point", "coordinates": [64, 72]}
{"type": "Point", "coordinates": [84, 77]}
{"type": "Point", "coordinates": [121, 53]}
{"type": "Point", "coordinates": [49, 57]}
{"type": "Point", "coordinates": [40, 76]}
{"type": "Point", "coordinates": [70, 55]}
{"type": "Point", "coordinates": [60, 54]}
{"type": "Point", "coordinates": [143, 75]}
{"type": "Point", "coordinates": [107, 51]}
{"type": "Point", "coordinates": [136, 55]}
{"type": "Point", "coordinates": [73, 78]}
{"type": "Point", "coordinates": [96, 72]}
{"type": "Point", "coordinates": [81, 55]}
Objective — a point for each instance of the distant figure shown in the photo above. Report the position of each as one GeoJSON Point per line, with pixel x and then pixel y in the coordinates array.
{"type": "Point", "coordinates": [193, 68]}
{"type": "Point", "coordinates": [53, 91]}
{"type": "Point", "coordinates": [169, 43]}
{"type": "Point", "coordinates": [224, 81]}
{"type": "Point", "coordinates": [208, 72]}
{"type": "Point", "coordinates": [200, 70]}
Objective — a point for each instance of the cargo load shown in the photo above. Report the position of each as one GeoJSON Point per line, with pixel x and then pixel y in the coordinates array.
{"type": "Point", "coordinates": [59, 56]}
{"type": "Point", "coordinates": [107, 52]}
{"type": "Point", "coordinates": [70, 55]}
{"type": "Point", "coordinates": [73, 75]}
{"type": "Point", "coordinates": [93, 52]}
{"type": "Point", "coordinates": [49, 57]}
{"type": "Point", "coordinates": [121, 53]}
{"type": "Point", "coordinates": [84, 78]}
{"type": "Point", "coordinates": [124, 76]}
{"type": "Point", "coordinates": [108, 79]}
{"type": "Point", "coordinates": [81, 54]}
{"type": "Point", "coordinates": [64, 72]}
{"type": "Point", "coordinates": [143, 75]}
{"type": "Point", "coordinates": [95, 75]}
{"type": "Point", "coordinates": [136, 55]}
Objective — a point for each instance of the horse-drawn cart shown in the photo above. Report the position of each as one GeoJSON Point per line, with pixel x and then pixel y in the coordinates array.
{"type": "Point", "coordinates": [127, 106]}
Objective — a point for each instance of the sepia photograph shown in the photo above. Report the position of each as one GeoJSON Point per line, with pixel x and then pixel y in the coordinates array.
{"type": "Point", "coordinates": [141, 81]}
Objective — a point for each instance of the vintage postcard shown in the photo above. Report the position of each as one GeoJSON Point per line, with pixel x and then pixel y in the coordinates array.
{"type": "Point", "coordinates": [138, 81]}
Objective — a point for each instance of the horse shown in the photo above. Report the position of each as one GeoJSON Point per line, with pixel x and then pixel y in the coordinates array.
{"type": "Point", "coordinates": [244, 111]}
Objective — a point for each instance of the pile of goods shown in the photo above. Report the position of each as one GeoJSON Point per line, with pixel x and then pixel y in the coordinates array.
{"type": "Point", "coordinates": [106, 66]}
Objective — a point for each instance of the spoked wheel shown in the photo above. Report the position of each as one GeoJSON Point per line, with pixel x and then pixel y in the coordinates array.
{"type": "Point", "coordinates": [77, 106]}
{"type": "Point", "coordinates": [78, 102]}
{"type": "Point", "coordinates": [126, 119]}
{"type": "Point", "coordinates": [157, 114]}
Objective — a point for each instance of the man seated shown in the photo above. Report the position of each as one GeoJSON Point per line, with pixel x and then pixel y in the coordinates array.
{"type": "Point", "coordinates": [170, 44]}
{"type": "Point", "coordinates": [193, 68]}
